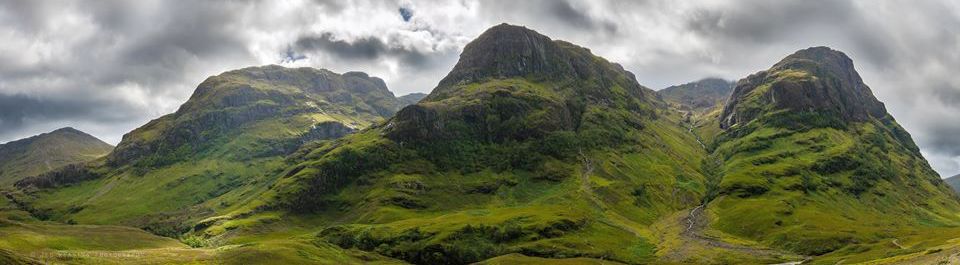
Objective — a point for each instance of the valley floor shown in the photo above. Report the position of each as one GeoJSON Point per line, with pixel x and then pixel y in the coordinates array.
{"type": "Point", "coordinates": [683, 238]}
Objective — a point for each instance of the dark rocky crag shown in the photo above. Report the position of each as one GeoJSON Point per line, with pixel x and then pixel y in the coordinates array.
{"type": "Point", "coordinates": [816, 79]}
{"type": "Point", "coordinates": [572, 77]}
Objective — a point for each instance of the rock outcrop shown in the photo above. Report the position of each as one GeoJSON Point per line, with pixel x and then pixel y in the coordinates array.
{"type": "Point", "coordinates": [510, 73]}
{"type": "Point", "coordinates": [816, 79]}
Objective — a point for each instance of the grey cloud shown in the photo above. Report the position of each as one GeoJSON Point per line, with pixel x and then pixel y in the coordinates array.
{"type": "Point", "coordinates": [572, 16]}
{"type": "Point", "coordinates": [764, 21]}
{"type": "Point", "coordinates": [18, 111]}
{"type": "Point", "coordinates": [125, 65]}
{"type": "Point", "coordinates": [366, 48]}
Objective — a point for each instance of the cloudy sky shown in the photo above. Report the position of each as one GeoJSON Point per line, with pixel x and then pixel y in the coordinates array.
{"type": "Point", "coordinates": [106, 67]}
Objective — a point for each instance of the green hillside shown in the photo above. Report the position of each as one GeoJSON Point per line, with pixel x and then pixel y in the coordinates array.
{"type": "Point", "coordinates": [221, 148]}
{"type": "Point", "coordinates": [412, 98]}
{"type": "Point", "coordinates": [498, 159]}
{"type": "Point", "coordinates": [812, 163]}
{"type": "Point", "coordinates": [529, 145]}
{"type": "Point", "coordinates": [31, 156]}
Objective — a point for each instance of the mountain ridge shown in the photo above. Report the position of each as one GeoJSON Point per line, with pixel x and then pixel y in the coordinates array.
{"type": "Point", "coordinates": [699, 95]}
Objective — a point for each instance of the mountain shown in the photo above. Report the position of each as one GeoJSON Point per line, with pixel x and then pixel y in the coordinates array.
{"type": "Point", "coordinates": [700, 95]}
{"type": "Point", "coordinates": [812, 163]}
{"type": "Point", "coordinates": [412, 98]}
{"type": "Point", "coordinates": [954, 182]}
{"type": "Point", "coordinates": [529, 145]}
{"type": "Point", "coordinates": [37, 154]}
{"type": "Point", "coordinates": [219, 149]}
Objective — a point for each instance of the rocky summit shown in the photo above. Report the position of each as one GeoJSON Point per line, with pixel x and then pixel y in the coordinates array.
{"type": "Point", "coordinates": [816, 79]}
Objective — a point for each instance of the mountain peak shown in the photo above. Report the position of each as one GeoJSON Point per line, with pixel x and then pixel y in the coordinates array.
{"type": "Point", "coordinates": [69, 130]}
{"type": "Point", "coordinates": [817, 79]}
{"type": "Point", "coordinates": [503, 51]}
{"type": "Point", "coordinates": [507, 51]}
{"type": "Point", "coordinates": [703, 94]}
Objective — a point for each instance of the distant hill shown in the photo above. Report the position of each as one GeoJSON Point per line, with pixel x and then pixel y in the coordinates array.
{"type": "Point", "coordinates": [954, 182]}
{"type": "Point", "coordinates": [412, 98]}
{"type": "Point", "coordinates": [37, 154]}
{"type": "Point", "coordinates": [699, 95]}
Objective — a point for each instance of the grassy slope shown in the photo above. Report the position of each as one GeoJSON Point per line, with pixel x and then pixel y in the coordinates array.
{"type": "Point", "coordinates": [829, 188]}
{"type": "Point", "coordinates": [550, 218]}
{"type": "Point", "coordinates": [548, 167]}
{"type": "Point", "coordinates": [168, 190]}
{"type": "Point", "coordinates": [409, 209]}
{"type": "Point", "coordinates": [166, 197]}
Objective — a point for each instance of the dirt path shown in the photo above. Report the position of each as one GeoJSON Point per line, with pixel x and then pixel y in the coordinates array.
{"type": "Point", "coordinates": [697, 223]}
{"type": "Point", "coordinates": [896, 242]}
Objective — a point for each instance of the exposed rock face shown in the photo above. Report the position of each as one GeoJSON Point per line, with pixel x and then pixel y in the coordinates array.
{"type": "Point", "coordinates": [816, 79]}
{"type": "Point", "coordinates": [508, 74]}
{"type": "Point", "coordinates": [506, 51]}
{"type": "Point", "coordinates": [48, 151]}
{"type": "Point", "coordinates": [72, 173]}
{"type": "Point", "coordinates": [699, 95]}
{"type": "Point", "coordinates": [326, 130]}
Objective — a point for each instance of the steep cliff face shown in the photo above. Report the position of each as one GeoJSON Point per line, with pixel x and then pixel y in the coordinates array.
{"type": "Point", "coordinates": [34, 155]}
{"type": "Point", "coordinates": [816, 79]}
